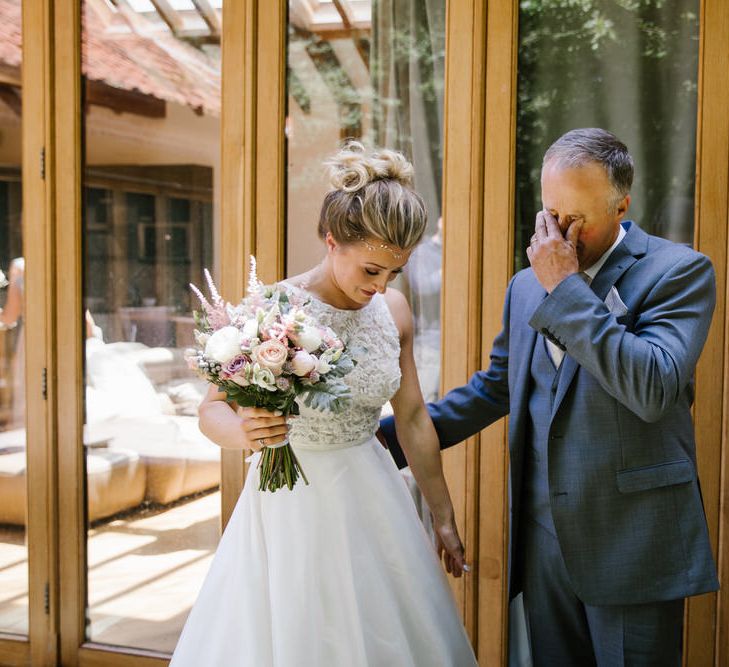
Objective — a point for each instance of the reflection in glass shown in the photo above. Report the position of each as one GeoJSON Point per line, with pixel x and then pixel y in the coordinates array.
{"type": "Point", "coordinates": [629, 67]}
{"type": "Point", "coordinates": [13, 460]}
{"type": "Point", "coordinates": [152, 136]}
{"type": "Point", "coordinates": [371, 71]}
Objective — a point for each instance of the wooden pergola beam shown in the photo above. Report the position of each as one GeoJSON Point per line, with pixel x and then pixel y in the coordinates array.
{"type": "Point", "coordinates": [209, 15]}
{"type": "Point", "coordinates": [170, 16]}
{"type": "Point", "coordinates": [345, 13]}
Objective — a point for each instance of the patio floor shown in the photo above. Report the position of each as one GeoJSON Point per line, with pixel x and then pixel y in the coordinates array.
{"type": "Point", "coordinates": [145, 571]}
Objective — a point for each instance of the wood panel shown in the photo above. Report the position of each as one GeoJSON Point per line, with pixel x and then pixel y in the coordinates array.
{"type": "Point", "coordinates": [66, 291]}
{"type": "Point", "coordinates": [270, 149]}
{"type": "Point", "coordinates": [498, 205]}
{"type": "Point", "coordinates": [237, 235]}
{"type": "Point", "coordinates": [100, 655]}
{"type": "Point", "coordinates": [254, 162]}
{"type": "Point", "coordinates": [14, 652]}
{"type": "Point", "coordinates": [711, 239]}
{"type": "Point", "coordinates": [462, 266]}
{"type": "Point", "coordinates": [39, 343]}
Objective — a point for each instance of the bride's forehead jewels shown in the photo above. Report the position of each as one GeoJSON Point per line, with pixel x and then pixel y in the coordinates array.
{"type": "Point", "coordinates": [380, 246]}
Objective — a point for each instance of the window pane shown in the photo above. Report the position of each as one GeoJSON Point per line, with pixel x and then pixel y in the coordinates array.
{"type": "Point", "coordinates": [375, 75]}
{"type": "Point", "coordinates": [152, 137]}
{"type": "Point", "coordinates": [629, 67]}
{"type": "Point", "coordinates": [13, 461]}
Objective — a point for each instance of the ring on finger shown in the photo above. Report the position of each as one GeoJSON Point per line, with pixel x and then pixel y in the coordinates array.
{"type": "Point", "coordinates": [262, 442]}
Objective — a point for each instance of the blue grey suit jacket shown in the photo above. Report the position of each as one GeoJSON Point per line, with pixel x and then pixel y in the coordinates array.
{"type": "Point", "coordinates": [624, 492]}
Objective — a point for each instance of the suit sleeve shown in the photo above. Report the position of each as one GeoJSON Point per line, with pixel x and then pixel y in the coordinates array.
{"type": "Point", "coordinates": [466, 410]}
{"type": "Point", "coordinates": [648, 368]}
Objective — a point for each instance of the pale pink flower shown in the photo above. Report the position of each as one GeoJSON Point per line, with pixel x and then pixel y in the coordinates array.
{"type": "Point", "coordinates": [271, 354]}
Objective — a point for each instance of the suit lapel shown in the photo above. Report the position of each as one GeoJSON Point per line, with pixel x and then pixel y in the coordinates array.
{"type": "Point", "coordinates": [634, 245]}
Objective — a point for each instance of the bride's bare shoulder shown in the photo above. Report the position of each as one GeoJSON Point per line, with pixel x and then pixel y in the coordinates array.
{"type": "Point", "coordinates": [400, 310]}
{"type": "Point", "coordinates": [297, 281]}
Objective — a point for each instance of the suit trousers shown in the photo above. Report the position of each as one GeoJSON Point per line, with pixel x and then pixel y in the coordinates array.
{"type": "Point", "coordinates": [564, 631]}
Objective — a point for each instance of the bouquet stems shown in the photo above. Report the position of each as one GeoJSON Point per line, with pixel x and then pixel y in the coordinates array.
{"type": "Point", "coordinates": [279, 467]}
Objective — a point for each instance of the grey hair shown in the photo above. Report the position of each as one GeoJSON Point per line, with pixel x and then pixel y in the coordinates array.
{"type": "Point", "coordinates": [583, 146]}
{"type": "Point", "coordinates": [372, 196]}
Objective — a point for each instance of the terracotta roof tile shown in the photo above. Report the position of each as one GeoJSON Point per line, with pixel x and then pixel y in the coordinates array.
{"type": "Point", "coordinates": [10, 36]}
{"type": "Point", "coordinates": [156, 64]}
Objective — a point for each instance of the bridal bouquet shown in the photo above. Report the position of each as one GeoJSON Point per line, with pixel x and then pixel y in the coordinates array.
{"type": "Point", "coordinates": [267, 351]}
{"type": "Point", "coordinates": [3, 280]}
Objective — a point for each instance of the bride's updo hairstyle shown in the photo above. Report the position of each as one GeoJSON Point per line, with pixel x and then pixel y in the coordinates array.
{"type": "Point", "coordinates": [372, 197]}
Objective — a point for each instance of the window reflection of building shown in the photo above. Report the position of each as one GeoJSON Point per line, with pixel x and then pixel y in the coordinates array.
{"type": "Point", "coordinates": [12, 396]}
{"type": "Point", "coordinates": [14, 616]}
{"type": "Point", "coordinates": [148, 234]}
{"type": "Point", "coordinates": [151, 82]}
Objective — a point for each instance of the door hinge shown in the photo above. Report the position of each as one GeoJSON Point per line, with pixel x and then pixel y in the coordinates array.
{"type": "Point", "coordinates": [47, 598]}
{"type": "Point", "coordinates": [43, 163]}
{"type": "Point", "coordinates": [44, 384]}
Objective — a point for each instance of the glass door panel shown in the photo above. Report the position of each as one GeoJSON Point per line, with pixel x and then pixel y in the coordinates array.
{"type": "Point", "coordinates": [631, 68]}
{"type": "Point", "coordinates": [150, 219]}
{"type": "Point", "coordinates": [13, 459]}
{"type": "Point", "coordinates": [373, 72]}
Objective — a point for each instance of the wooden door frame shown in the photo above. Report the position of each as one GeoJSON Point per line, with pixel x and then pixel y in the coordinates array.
{"type": "Point", "coordinates": [68, 175]}
{"type": "Point", "coordinates": [39, 648]}
{"type": "Point", "coordinates": [481, 516]}
{"type": "Point", "coordinates": [706, 635]}
{"type": "Point", "coordinates": [479, 122]}
{"type": "Point", "coordinates": [254, 163]}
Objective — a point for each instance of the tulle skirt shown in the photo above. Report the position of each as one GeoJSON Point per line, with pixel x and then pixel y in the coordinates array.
{"type": "Point", "coordinates": [338, 573]}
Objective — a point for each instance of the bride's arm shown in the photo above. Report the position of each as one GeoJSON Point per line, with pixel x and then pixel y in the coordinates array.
{"type": "Point", "coordinates": [419, 441]}
{"type": "Point", "coordinates": [241, 429]}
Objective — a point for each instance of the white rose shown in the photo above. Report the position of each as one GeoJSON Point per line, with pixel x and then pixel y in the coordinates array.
{"type": "Point", "coordinates": [323, 367]}
{"type": "Point", "coordinates": [223, 345]}
{"type": "Point", "coordinates": [264, 378]}
{"type": "Point", "coordinates": [309, 339]}
{"type": "Point", "coordinates": [303, 363]}
{"type": "Point", "coordinates": [250, 329]}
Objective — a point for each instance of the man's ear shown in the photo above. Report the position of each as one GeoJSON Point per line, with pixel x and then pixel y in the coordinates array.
{"type": "Point", "coordinates": [623, 207]}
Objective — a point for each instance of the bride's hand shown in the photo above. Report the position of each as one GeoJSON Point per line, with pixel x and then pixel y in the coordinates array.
{"type": "Point", "coordinates": [450, 547]}
{"type": "Point", "coordinates": [261, 428]}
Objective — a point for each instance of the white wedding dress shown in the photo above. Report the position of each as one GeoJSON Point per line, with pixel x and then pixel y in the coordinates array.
{"type": "Point", "coordinates": [339, 573]}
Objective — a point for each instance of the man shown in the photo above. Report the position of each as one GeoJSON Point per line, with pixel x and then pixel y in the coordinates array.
{"type": "Point", "coordinates": [595, 367]}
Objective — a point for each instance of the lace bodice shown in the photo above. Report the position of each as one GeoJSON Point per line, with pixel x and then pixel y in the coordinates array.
{"type": "Point", "coordinates": [372, 331]}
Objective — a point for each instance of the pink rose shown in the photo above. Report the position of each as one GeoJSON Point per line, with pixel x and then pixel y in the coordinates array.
{"type": "Point", "coordinates": [271, 354]}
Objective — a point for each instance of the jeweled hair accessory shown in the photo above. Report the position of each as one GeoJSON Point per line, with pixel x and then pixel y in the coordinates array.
{"type": "Point", "coordinates": [372, 248]}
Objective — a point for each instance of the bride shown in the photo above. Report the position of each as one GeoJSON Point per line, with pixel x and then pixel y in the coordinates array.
{"type": "Point", "coordinates": [340, 572]}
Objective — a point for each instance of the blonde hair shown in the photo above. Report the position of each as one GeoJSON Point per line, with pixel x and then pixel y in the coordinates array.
{"type": "Point", "coordinates": [372, 197]}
